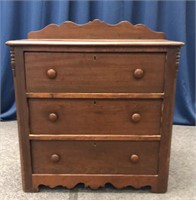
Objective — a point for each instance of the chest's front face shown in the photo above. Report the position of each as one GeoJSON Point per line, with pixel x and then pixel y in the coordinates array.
{"type": "Point", "coordinates": [95, 111]}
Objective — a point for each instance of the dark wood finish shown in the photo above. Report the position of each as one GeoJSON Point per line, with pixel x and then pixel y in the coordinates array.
{"type": "Point", "coordinates": [138, 73]}
{"type": "Point", "coordinates": [167, 119]}
{"type": "Point", "coordinates": [95, 105]}
{"type": "Point", "coordinates": [136, 117]}
{"type": "Point", "coordinates": [94, 181]}
{"type": "Point", "coordinates": [88, 116]}
{"type": "Point", "coordinates": [96, 95]}
{"type": "Point", "coordinates": [94, 137]}
{"type": "Point", "coordinates": [134, 158]}
{"type": "Point", "coordinates": [94, 72]}
{"type": "Point", "coordinates": [51, 74]}
{"type": "Point", "coordinates": [70, 30]}
{"type": "Point", "coordinates": [94, 43]}
{"type": "Point", "coordinates": [55, 158]}
{"type": "Point", "coordinates": [53, 117]}
{"type": "Point", "coordinates": [22, 118]}
{"type": "Point", "coordinates": [90, 157]}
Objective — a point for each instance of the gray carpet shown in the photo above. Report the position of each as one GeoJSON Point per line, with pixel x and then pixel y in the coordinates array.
{"type": "Point", "coordinates": [181, 180]}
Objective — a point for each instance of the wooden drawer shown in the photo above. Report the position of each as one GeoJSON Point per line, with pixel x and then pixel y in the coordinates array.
{"type": "Point", "coordinates": [101, 116]}
{"type": "Point", "coordinates": [94, 157]}
{"type": "Point", "coordinates": [94, 72]}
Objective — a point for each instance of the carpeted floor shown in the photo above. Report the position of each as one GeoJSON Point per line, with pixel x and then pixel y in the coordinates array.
{"type": "Point", "coordinates": [181, 180]}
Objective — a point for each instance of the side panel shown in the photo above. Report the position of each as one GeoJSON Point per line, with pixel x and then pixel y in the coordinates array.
{"type": "Point", "coordinates": [167, 118]}
{"type": "Point", "coordinates": [22, 117]}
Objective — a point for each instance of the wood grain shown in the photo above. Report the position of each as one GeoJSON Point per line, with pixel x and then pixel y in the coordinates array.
{"type": "Point", "coordinates": [95, 29]}
{"type": "Point", "coordinates": [90, 157]}
{"type": "Point", "coordinates": [86, 116]}
{"type": "Point", "coordinates": [95, 105]}
{"type": "Point", "coordinates": [96, 95]}
{"type": "Point", "coordinates": [94, 181]}
{"type": "Point", "coordinates": [94, 137]}
{"type": "Point", "coordinates": [22, 119]}
{"type": "Point", "coordinates": [94, 72]}
{"type": "Point", "coordinates": [92, 42]}
{"type": "Point", "coordinates": [167, 120]}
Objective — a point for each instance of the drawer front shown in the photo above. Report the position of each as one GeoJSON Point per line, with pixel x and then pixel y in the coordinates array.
{"type": "Point", "coordinates": [88, 116]}
{"type": "Point", "coordinates": [94, 72]}
{"type": "Point", "coordinates": [94, 157]}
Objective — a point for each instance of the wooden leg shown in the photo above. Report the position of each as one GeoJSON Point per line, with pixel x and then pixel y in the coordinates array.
{"type": "Point", "coordinates": [32, 189]}
{"type": "Point", "coordinates": [159, 188]}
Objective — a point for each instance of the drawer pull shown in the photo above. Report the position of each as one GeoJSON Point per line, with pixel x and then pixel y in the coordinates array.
{"type": "Point", "coordinates": [138, 73]}
{"type": "Point", "coordinates": [55, 158]}
{"type": "Point", "coordinates": [136, 117]}
{"type": "Point", "coordinates": [134, 158]}
{"type": "Point", "coordinates": [51, 73]}
{"type": "Point", "coordinates": [53, 117]}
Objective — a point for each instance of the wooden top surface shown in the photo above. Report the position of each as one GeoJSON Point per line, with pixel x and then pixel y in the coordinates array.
{"type": "Point", "coordinates": [96, 32]}
{"type": "Point", "coordinates": [96, 42]}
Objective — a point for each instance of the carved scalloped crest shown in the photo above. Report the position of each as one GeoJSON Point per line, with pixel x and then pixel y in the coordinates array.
{"type": "Point", "coordinates": [96, 29]}
{"type": "Point", "coordinates": [94, 181]}
{"type": "Point", "coordinates": [94, 186]}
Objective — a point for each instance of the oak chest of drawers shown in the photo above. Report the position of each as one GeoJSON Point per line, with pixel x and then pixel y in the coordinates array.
{"type": "Point", "coordinates": [95, 105]}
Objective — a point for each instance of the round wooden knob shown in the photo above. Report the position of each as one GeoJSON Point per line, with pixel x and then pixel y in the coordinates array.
{"type": "Point", "coordinates": [55, 157]}
{"type": "Point", "coordinates": [53, 117]}
{"type": "Point", "coordinates": [138, 73]}
{"type": "Point", "coordinates": [51, 73]}
{"type": "Point", "coordinates": [134, 158]}
{"type": "Point", "coordinates": [136, 117]}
